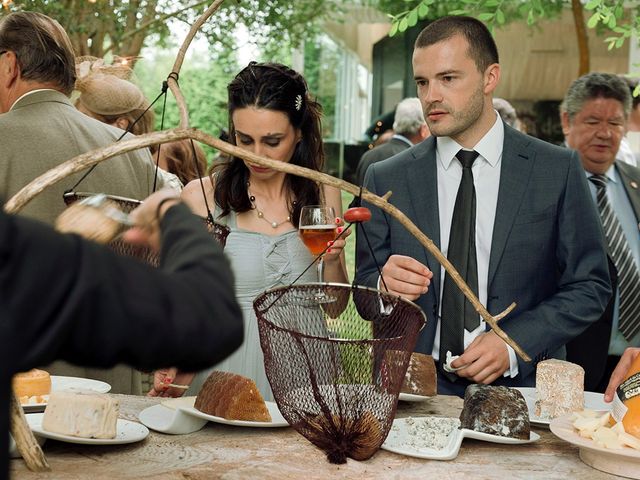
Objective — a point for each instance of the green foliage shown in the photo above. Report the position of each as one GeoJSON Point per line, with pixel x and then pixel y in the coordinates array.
{"type": "Point", "coordinates": [609, 15]}
{"type": "Point", "coordinates": [124, 25]}
{"type": "Point", "coordinates": [203, 82]}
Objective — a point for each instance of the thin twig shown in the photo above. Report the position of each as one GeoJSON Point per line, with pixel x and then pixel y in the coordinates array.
{"type": "Point", "coordinates": [175, 71]}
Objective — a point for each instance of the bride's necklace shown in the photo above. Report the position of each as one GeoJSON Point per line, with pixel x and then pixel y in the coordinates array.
{"type": "Point", "coordinates": [260, 214]}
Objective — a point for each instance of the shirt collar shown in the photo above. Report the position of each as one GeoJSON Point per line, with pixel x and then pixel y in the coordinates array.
{"type": "Point", "coordinates": [489, 147]}
{"type": "Point", "coordinates": [611, 174]}
{"type": "Point", "coordinates": [402, 138]}
{"type": "Point", "coordinates": [29, 93]}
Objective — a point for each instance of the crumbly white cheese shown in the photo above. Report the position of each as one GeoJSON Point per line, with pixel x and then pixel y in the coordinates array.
{"type": "Point", "coordinates": [429, 432]}
{"type": "Point", "coordinates": [559, 388]}
{"type": "Point", "coordinates": [81, 415]}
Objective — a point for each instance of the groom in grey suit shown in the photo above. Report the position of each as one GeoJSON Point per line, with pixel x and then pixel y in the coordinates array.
{"type": "Point", "coordinates": [535, 238]}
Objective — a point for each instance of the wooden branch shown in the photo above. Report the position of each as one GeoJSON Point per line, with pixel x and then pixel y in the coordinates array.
{"type": "Point", "coordinates": [26, 443]}
{"type": "Point", "coordinates": [173, 84]}
{"type": "Point", "coordinates": [91, 158]}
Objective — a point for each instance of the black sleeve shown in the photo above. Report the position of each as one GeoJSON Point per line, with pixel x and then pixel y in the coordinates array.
{"type": "Point", "coordinates": [64, 297]}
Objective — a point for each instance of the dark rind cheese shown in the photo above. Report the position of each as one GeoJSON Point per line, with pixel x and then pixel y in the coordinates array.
{"type": "Point", "coordinates": [498, 411]}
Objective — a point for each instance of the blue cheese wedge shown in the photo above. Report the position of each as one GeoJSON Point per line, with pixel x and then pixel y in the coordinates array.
{"type": "Point", "coordinates": [85, 415]}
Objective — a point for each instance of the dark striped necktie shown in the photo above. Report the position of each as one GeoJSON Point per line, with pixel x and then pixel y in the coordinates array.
{"type": "Point", "coordinates": [620, 253]}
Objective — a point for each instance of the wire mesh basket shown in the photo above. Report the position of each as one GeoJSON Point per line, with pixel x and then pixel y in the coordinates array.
{"type": "Point", "coordinates": [336, 356]}
{"type": "Point", "coordinates": [218, 231]}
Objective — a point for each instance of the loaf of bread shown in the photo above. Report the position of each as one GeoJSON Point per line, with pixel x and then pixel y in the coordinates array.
{"type": "Point", "coordinates": [233, 397]}
{"type": "Point", "coordinates": [85, 415]}
{"type": "Point", "coordinates": [420, 378]}
{"type": "Point", "coordinates": [559, 388]}
{"type": "Point", "coordinates": [498, 411]}
{"type": "Point", "coordinates": [32, 386]}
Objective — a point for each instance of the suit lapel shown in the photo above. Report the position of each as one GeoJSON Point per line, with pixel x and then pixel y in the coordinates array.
{"type": "Point", "coordinates": [422, 186]}
{"type": "Point", "coordinates": [517, 163]}
{"type": "Point", "coordinates": [631, 181]}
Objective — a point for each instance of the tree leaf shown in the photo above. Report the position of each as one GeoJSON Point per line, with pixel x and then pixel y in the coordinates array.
{"type": "Point", "coordinates": [402, 27]}
{"type": "Point", "coordinates": [620, 42]}
{"type": "Point", "coordinates": [500, 17]}
{"type": "Point", "coordinates": [592, 4]}
{"type": "Point", "coordinates": [394, 29]}
{"type": "Point", "coordinates": [485, 16]}
{"type": "Point", "coordinates": [412, 18]}
{"type": "Point", "coordinates": [593, 21]}
{"type": "Point", "coordinates": [423, 10]}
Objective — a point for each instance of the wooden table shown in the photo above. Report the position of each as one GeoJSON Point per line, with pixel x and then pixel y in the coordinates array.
{"type": "Point", "coordinates": [220, 451]}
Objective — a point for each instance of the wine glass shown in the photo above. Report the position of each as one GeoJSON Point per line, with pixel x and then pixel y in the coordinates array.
{"type": "Point", "coordinates": [317, 226]}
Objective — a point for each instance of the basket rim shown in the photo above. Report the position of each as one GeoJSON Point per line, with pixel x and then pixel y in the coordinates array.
{"type": "Point", "coordinates": [336, 284]}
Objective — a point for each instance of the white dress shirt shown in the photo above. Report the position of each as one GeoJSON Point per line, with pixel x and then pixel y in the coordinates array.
{"type": "Point", "coordinates": [486, 179]}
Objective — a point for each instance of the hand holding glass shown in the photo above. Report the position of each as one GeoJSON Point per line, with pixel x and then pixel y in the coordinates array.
{"type": "Point", "coordinates": [317, 227]}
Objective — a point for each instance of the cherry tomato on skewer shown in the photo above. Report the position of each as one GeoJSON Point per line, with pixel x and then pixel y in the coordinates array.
{"type": "Point", "coordinates": [357, 214]}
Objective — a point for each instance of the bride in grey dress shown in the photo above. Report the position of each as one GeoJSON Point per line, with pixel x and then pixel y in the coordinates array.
{"type": "Point", "coordinates": [271, 114]}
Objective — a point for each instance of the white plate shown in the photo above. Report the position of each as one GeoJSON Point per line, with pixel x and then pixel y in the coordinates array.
{"type": "Point", "coordinates": [398, 442]}
{"type": "Point", "coordinates": [592, 401]}
{"type": "Point", "coordinates": [277, 420]}
{"type": "Point", "coordinates": [126, 432]}
{"type": "Point", "coordinates": [60, 383]}
{"type": "Point", "coordinates": [170, 420]}
{"type": "Point", "coordinates": [411, 397]}
{"type": "Point", "coordinates": [624, 461]}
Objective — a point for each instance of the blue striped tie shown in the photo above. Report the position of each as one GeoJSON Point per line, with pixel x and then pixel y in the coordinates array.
{"type": "Point", "coordinates": [620, 253]}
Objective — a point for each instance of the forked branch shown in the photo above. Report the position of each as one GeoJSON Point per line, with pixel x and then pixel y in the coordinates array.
{"type": "Point", "coordinates": [90, 158]}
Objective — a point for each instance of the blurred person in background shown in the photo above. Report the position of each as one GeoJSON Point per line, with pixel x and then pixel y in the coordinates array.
{"type": "Point", "coordinates": [630, 145]}
{"type": "Point", "coordinates": [116, 101]}
{"type": "Point", "coordinates": [507, 112]}
{"type": "Point", "coordinates": [178, 158]}
{"type": "Point", "coordinates": [409, 128]}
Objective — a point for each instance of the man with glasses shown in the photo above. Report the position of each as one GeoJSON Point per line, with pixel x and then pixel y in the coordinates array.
{"type": "Point", "coordinates": [594, 117]}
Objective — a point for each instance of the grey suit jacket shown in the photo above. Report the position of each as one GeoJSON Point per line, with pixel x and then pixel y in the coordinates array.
{"type": "Point", "coordinates": [43, 130]}
{"type": "Point", "coordinates": [377, 154]}
{"type": "Point", "coordinates": [547, 253]}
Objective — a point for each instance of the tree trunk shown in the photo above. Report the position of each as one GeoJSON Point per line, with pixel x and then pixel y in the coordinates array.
{"type": "Point", "coordinates": [582, 37]}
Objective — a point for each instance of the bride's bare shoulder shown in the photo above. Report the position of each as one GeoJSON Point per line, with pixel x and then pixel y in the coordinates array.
{"type": "Point", "coordinates": [192, 195]}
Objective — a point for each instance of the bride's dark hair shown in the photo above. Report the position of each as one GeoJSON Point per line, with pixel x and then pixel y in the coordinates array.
{"type": "Point", "coordinates": [273, 86]}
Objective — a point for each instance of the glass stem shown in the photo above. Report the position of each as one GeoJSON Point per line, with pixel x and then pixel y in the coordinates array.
{"type": "Point", "coordinates": [320, 267]}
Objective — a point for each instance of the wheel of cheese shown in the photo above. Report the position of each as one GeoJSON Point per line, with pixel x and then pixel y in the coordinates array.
{"type": "Point", "coordinates": [32, 383]}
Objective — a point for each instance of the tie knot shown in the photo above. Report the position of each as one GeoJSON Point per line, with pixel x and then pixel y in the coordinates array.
{"type": "Point", "coordinates": [467, 157]}
{"type": "Point", "coordinates": [600, 181]}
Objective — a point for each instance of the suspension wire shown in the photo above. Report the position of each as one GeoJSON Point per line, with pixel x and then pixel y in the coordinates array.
{"type": "Point", "coordinates": [165, 86]}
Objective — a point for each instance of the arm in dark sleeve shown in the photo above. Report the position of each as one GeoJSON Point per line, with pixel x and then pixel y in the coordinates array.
{"type": "Point", "coordinates": [72, 299]}
{"type": "Point", "coordinates": [583, 283]}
